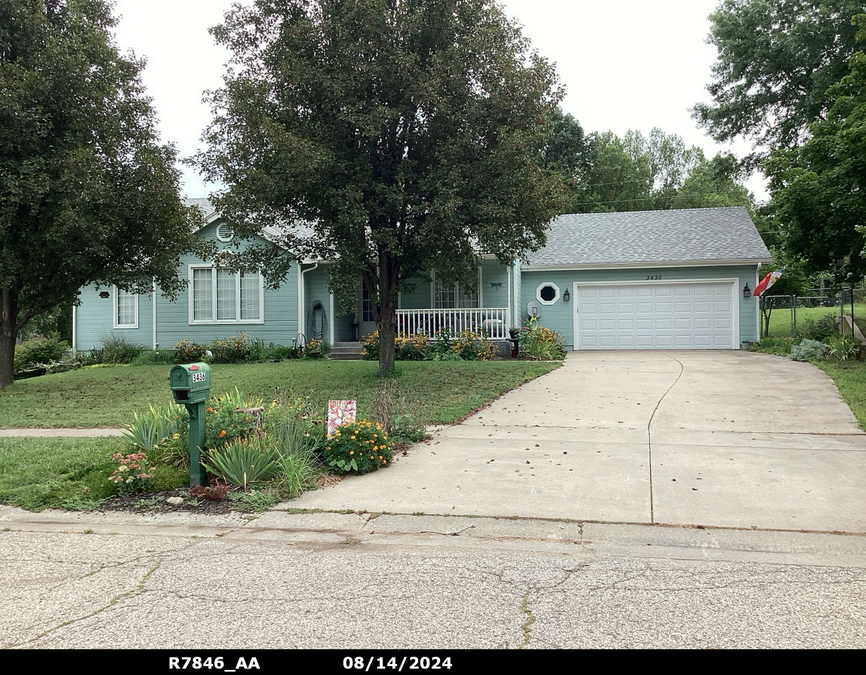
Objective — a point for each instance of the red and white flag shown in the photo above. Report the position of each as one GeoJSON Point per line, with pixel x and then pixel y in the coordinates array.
{"type": "Point", "coordinates": [767, 281]}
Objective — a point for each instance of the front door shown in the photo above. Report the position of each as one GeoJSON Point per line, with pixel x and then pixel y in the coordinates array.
{"type": "Point", "coordinates": [367, 324]}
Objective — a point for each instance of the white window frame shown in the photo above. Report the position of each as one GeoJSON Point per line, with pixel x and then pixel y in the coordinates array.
{"type": "Point", "coordinates": [237, 290]}
{"type": "Point", "coordinates": [557, 293]}
{"type": "Point", "coordinates": [115, 299]}
{"type": "Point", "coordinates": [459, 296]}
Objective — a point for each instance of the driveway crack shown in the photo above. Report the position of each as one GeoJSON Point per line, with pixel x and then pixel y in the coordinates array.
{"type": "Point", "coordinates": [649, 440]}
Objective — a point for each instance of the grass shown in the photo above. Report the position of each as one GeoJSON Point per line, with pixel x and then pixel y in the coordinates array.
{"type": "Point", "coordinates": [72, 473]}
{"type": "Point", "coordinates": [107, 396]}
{"type": "Point", "coordinates": [40, 473]}
{"type": "Point", "coordinates": [780, 319]}
{"type": "Point", "coordinates": [850, 379]}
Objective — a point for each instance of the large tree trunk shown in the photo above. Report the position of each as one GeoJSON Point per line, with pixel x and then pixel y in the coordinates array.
{"type": "Point", "coordinates": [387, 334]}
{"type": "Point", "coordinates": [385, 312]}
{"type": "Point", "coordinates": [8, 332]}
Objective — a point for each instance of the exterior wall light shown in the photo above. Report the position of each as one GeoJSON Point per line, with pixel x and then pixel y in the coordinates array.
{"type": "Point", "coordinates": [747, 293]}
{"type": "Point", "coordinates": [566, 296]}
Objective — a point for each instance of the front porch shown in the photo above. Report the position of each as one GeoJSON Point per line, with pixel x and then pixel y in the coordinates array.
{"type": "Point", "coordinates": [492, 321]}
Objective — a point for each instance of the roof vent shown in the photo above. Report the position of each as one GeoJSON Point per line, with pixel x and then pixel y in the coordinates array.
{"type": "Point", "coordinates": [224, 232]}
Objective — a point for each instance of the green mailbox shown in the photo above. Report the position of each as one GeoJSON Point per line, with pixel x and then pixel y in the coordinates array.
{"type": "Point", "coordinates": [190, 385]}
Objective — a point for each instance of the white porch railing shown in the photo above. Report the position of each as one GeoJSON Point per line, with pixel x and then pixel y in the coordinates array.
{"type": "Point", "coordinates": [492, 320]}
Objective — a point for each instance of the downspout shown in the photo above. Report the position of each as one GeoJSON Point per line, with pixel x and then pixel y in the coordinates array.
{"type": "Point", "coordinates": [331, 319]}
{"type": "Point", "coordinates": [302, 324]}
{"type": "Point", "coordinates": [155, 343]}
{"type": "Point", "coordinates": [74, 327]}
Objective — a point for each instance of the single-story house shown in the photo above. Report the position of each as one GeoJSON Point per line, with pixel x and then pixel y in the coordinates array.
{"type": "Point", "coordinates": [630, 280]}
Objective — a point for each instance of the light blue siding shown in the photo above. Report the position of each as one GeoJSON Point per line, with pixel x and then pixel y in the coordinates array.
{"type": "Point", "coordinates": [94, 315]}
{"type": "Point", "coordinates": [560, 315]}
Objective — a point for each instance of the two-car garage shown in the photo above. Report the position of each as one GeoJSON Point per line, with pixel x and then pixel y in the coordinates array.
{"type": "Point", "coordinates": [652, 315]}
{"type": "Point", "coordinates": [678, 279]}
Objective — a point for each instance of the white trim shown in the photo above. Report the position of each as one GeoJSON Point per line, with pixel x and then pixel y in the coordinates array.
{"type": "Point", "coordinates": [214, 320]}
{"type": "Point", "coordinates": [331, 317]}
{"type": "Point", "coordinates": [735, 300]}
{"type": "Point", "coordinates": [74, 327]}
{"type": "Point", "coordinates": [302, 314]}
{"type": "Point", "coordinates": [757, 304]}
{"type": "Point", "coordinates": [115, 297]}
{"type": "Point", "coordinates": [221, 238]}
{"type": "Point", "coordinates": [509, 272]}
{"type": "Point", "coordinates": [625, 266]}
{"type": "Point", "coordinates": [300, 300]}
{"type": "Point", "coordinates": [153, 296]}
{"type": "Point", "coordinates": [556, 296]}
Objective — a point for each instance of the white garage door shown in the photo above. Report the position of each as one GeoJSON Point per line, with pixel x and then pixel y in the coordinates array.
{"type": "Point", "coordinates": [655, 316]}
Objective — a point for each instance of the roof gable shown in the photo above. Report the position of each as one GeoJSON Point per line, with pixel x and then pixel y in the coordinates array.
{"type": "Point", "coordinates": [716, 235]}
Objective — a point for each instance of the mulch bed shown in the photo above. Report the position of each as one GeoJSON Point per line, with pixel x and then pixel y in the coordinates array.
{"type": "Point", "coordinates": [157, 502]}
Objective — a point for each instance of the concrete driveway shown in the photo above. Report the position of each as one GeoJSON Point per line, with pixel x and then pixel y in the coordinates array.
{"type": "Point", "coordinates": [721, 439]}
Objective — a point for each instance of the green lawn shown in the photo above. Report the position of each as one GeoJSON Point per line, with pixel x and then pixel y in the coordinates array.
{"type": "Point", "coordinates": [850, 379]}
{"type": "Point", "coordinates": [39, 473]}
{"type": "Point", "coordinates": [444, 392]}
{"type": "Point", "coordinates": [780, 319]}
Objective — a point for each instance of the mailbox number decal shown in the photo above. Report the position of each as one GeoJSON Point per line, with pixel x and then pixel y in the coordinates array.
{"type": "Point", "coordinates": [198, 377]}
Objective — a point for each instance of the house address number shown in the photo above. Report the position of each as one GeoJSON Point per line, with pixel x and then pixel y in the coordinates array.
{"type": "Point", "coordinates": [653, 277]}
{"type": "Point", "coordinates": [199, 377]}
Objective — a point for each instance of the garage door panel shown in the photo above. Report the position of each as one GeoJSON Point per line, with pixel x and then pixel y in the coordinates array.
{"type": "Point", "coordinates": [655, 316]}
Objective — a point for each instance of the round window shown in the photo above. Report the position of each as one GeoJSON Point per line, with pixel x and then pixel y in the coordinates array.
{"type": "Point", "coordinates": [547, 293]}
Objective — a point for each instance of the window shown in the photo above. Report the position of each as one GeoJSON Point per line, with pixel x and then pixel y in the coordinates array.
{"type": "Point", "coordinates": [218, 295]}
{"type": "Point", "coordinates": [125, 309]}
{"type": "Point", "coordinates": [547, 293]}
{"type": "Point", "coordinates": [448, 296]}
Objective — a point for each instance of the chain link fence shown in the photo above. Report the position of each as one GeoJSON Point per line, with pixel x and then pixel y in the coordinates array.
{"type": "Point", "coordinates": [781, 315]}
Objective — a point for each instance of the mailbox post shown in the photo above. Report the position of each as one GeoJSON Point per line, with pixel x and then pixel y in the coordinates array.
{"type": "Point", "coordinates": [190, 385]}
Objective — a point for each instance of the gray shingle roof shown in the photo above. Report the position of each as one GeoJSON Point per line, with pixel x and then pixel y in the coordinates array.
{"type": "Point", "coordinates": [203, 203]}
{"type": "Point", "coordinates": [636, 237]}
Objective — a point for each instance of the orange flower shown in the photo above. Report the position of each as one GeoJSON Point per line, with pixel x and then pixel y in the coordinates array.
{"type": "Point", "coordinates": [222, 433]}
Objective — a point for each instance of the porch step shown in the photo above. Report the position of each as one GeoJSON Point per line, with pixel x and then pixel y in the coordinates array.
{"type": "Point", "coordinates": [345, 351]}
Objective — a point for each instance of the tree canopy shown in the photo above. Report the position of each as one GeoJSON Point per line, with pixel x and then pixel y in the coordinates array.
{"type": "Point", "coordinates": [819, 188]}
{"type": "Point", "coordinates": [776, 60]}
{"type": "Point", "coordinates": [87, 194]}
{"type": "Point", "coordinates": [406, 133]}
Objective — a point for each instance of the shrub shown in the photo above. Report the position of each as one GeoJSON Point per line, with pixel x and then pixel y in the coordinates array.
{"type": "Point", "coordinates": [358, 447]}
{"type": "Point", "coordinates": [844, 347]}
{"type": "Point", "coordinates": [188, 352]}
{"type": "Point", "coordinates": [116, 349]}
{"type": "Point", "coordinates": [542, 344]}
{"type": "Point", "coordinates": [235, 349]}
{"type": "Point", "coordinates": [412, 347]}
{"type": "Point", "coordinates": [243, 461]}
{"type": "Point", "coordinates": [228, 418]}
{"type": "Point", "coordinates": [370, 347]}
{"type": "Point", "coordinates": [40, 351]}
{"type": "Point", "coordinates": [778, 346]}
{"type": "Point", "coordinates": [471, 345]}
{"type": "Point", "coordinates": [131, 477]}
{"type": "Point", "coordinates": [809, 350]}
{"type": "Point", "coordinates": [820, 330]}
{"type": "Point", "coordinates": [155, 357]}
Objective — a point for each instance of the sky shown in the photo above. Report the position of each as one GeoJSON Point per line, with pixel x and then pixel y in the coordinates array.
{"type": "Point", "coordinates": [624, 64]}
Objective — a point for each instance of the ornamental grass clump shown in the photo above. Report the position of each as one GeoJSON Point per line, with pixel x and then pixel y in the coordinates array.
{"type": "Point", "coordinates": [358, 447]}
{"type": "Point", "coordinates": [131, 477]}
{"type": "Point", "coordinates": [244, 461]}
